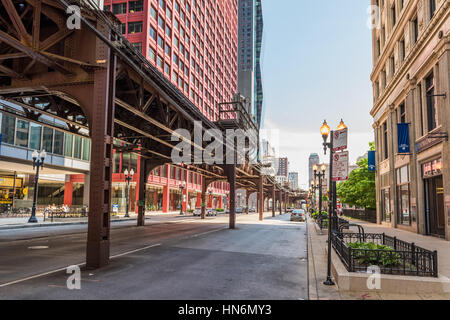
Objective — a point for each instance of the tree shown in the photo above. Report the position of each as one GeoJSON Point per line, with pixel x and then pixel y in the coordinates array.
{"type": "Point", "coordinates": [359, 190]}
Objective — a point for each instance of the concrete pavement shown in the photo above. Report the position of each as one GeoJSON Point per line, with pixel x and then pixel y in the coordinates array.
{"type": "Point", "coordinates": [184, 260]}
{"type": "Point", "coordinates": [317, 259]}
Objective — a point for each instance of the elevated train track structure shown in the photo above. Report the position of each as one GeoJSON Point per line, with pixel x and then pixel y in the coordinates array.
{"type": "Point", "coordinates": [102, 87]}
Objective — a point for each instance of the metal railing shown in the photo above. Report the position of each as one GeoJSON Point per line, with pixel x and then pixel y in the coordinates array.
{"type": "Point", "coordinates": [402, 258]}
{"type": "Point", "coordinates": [364, 214]}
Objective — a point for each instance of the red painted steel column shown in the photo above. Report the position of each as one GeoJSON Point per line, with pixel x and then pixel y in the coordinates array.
{"type": "Point", "coordinates": [68, 193]}
{"type": "Point", "coordinates": [101, 132]}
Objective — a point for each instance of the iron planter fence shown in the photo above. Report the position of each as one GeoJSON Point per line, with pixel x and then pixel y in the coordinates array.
{"type": "Point", "coordinates": [405, 258]}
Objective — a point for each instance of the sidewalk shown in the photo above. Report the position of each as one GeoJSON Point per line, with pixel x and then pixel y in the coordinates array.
{"type": "Point", "coordinates": [317, 260]}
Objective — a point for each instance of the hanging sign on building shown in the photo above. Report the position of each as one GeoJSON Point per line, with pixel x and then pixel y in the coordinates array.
{"type": "Point", "coordinates": [371, 158]}
{"type": "Point", "coordinates": [340, 140]}
{"type": "Point", "coordinates": [340, 166]}
{"type": "Point", "coordinates": [403, 137]}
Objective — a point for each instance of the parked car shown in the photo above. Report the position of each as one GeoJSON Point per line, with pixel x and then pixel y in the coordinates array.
{"type": "Point", "coordinates": [210, 212]}
{"type": "Point", "coordinates": [252, 210]}
{"type": "Point", "coordinates": [197, 212]}
{"type": "Point", "coordinates": [298, 215]}
{"type": "Point", "coordinates": [290, 210]}
{"type": "Point", "coordinates": [240, 210]}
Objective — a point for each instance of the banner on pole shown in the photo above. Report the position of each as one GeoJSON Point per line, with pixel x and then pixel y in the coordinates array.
{"type": "Point", "coordinates": [403, 137]}
{"type": "Point", "coordinates": [372, 165]}
{"type": "Point", "coordinates": [340, 166]}
{"type": "Point", "coordinates": [340, 141]}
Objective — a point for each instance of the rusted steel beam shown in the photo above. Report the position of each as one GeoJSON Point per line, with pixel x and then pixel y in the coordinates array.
{"type": "Point", "coordinates": [34, 55]}
{"type": "Point", "coordinates": [16, 20]}
{"type": "Point", "coordinates": [36, 24]}
{"type": "Point", "coordinates": [10, 72]}
{"type": "Point", "coordinates": [261, 199]}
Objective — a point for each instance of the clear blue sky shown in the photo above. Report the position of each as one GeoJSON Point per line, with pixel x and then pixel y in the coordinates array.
{"type": "Point", "coordinates": [316, 65]}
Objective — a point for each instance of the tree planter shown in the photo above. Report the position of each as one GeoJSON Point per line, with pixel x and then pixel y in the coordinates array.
{"type": "Point", "coordinates": [359, 251]}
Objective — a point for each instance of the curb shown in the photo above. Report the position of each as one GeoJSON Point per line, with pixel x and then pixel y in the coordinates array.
{"type": "Point", "coordinates": [56, 224]}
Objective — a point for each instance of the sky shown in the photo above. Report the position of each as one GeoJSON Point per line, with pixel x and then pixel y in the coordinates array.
{"type": "Point", "coordinates": [317, 62]}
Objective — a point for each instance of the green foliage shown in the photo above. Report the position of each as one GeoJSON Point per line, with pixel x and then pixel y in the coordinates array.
{"type": "Point", "coordinates": [359, 190]}
{"type": "Point", "coordinates": [315, 215]}
{"type": "Point", "coordinates": [381, 254]}
{"type": "Point", "coordinates": [191, 211]}
{"type": "Point", "coordinates": [220, 210]}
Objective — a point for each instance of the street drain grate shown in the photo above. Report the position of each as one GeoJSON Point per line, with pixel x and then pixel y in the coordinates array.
{"type": "Point", "coordinates": [38, 247]}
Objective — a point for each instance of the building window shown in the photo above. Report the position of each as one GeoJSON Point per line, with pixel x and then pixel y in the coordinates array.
{"type": "Point", "coordinates": [431, 107]}
{"type": "Point", "coordinates": [419, 89]}
{"type": "Point", "coordinates": [415, 30]}
{"type": "Point", "coordinates": [151, 54]}
{"type": "Point", "coordinates": [402, 50]}
{"type": "Point", "coordinates": [152, 33]}
{"type": "Point", "coordinates": [135, 27]}
{"type": "Point", "coordinates": [385, 141]}
{"type": "Point", "coordinates": [77, 147]}
{"type": "Point", "coordinates": [120, 8]}
{"type": "Point", "coordinates": [402, 110]}
{"type": "Point", "coordinates": [432, 5]}
{"type": "Point", "coordinates": [386, 205]}
{"type": "Point", "coordinates": [8, 128]}
{"type": "Point", "coordinates": [58, 144]}
{"type": "Point", "coordinates": [47, 139]}
{"type": "Point", "coordinates": [86, 149]}
{"type": "Point", "coordinates": [68, 142]}
{"type": "Point", "coordinates": [35, 136]}
{"type": "Point", "coordinates": [403, 193]}
{"type": "Point", "coordinates": [136, 6]}
{"type": "Point", "coordinates": [22, 133]}
{"type": "Point", "coordinates": [122, 28]}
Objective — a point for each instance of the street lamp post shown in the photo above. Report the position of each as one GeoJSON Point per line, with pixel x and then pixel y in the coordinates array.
{"type": "Point", "coordinates": [210, 191]}
{"type": "Point", "coordinates": [326, 132]}
{"type": "Point", "coordinates": [182, 186]}
{"type": "Point", "coordinates": [320, 176]}
{"type": "Point", "coordinates": [128, 179]}
{"type": "Point", "coordinates": [38, 161]}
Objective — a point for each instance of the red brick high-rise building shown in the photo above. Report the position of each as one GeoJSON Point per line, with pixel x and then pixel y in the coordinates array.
{"type": "Point", "coordinates": [194, 44]}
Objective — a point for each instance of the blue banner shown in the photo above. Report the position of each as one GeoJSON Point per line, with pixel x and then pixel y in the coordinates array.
{"type": "Point", "coordinates": [372, 166]}
{"type": "Point", "coordinates": [403, 137]}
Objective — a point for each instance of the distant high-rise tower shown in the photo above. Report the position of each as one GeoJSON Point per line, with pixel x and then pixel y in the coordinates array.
{"type": "Point", "coordinates": [313, 159]}
{"type": "Point", "coordinates": [249, 56]}
{"type": "Point", "coordinates": [283, 167]}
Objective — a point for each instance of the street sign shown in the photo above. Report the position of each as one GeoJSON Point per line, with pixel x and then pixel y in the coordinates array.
{"type": "Point", "coordinates": [340, 140]}
{"type": "Point", "coordinates": [340, 166]}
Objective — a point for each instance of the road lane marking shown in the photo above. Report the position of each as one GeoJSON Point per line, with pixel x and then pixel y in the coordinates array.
{"type": "Point", "coordinates": [134, 251]}
{"type": "Point", "coordinates": [111, 257]}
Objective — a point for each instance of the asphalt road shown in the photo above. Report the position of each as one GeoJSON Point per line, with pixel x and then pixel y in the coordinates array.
{"type": "Point", "coordinates": [187, 259]}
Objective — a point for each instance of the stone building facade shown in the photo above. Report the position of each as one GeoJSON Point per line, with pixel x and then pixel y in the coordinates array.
{"type": "Point", "coordinates": [411, 82]}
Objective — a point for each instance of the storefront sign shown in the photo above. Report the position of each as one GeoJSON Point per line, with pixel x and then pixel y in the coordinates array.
{"type": "Point", "coordinates": [427, 143]}
{"type": "Point", "coordinates": [403, 137]}
{"type": "Point", "coordinates": [340, 166]}
{"type": "Point", "coordinates": [432, 168]}
{"type": "Point", "coordinates": [340, 140]}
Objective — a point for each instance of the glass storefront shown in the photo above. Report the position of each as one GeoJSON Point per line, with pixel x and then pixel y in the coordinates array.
{"type": "Point", "coordinates": [403, 196]}
{"type": "Point", "coordinates": [175, 200]}
{"type": "Point", "coordinates": [119, 197]}
{"type": "Point", "coordinates": [434, 198]}
{"type": "Point", "coordinates": [153, 198]}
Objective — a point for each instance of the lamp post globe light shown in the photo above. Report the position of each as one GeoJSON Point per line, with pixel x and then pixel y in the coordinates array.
{"type": "Point", "coordinates": [38, 161]}
{"type": "Point", "coordinates": [182, 186]}
{"type": "Point", "coordinates": [326, 132]}
{"type": "Point", "coordinates": [319, 175]}
{"type": "Point", "coordinates": [128, 178]}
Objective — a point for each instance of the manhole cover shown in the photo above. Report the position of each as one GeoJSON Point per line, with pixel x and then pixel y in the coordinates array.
{"type": "Point", "coordinates": [38, 247]}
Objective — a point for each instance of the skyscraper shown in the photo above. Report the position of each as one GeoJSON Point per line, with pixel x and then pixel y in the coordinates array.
{"type": "Point", "coordinates": [293, 180]}
{"type": "Point", "coordinates": [283, 167]}
{"type": "Point", "coordinates": [249, 56]}
{"type": "Point", "coordinates": [313, 159]}
{"type": "Point", "coordinates": [193, 43]}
